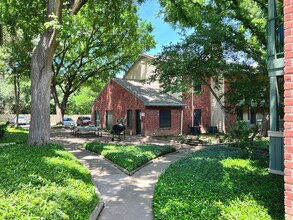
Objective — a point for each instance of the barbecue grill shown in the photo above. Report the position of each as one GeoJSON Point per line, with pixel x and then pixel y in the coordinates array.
{"type": "Point", "coordinates": [118, 129]}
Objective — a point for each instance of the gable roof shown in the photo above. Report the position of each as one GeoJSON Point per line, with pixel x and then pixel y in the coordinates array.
{"type": "Point", "coordinates": [149, 95]}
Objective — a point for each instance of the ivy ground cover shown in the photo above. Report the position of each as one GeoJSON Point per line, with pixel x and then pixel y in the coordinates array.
{"type": "Point", "coordinates": [44, 183]}
{"type": "Point", "coordinates": [15, 135]}
{"type": "Point", "coordinates": [130, 157]}
{"type": "Point", "coordinates": [216, 183]}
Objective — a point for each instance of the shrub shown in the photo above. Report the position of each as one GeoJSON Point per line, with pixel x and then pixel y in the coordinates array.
{"type": "Point", "coordinates": [244, 137]}
{"type": "Point", "coordinates": [3, 128]}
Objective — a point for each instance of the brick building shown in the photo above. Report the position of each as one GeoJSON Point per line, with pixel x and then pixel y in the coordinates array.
{"type": "Point", "coordinates": [288, 101]}
{"type": "Point", "coordinates": [150, 112]}
{"type": "Point", "coordinates": [147, 111]}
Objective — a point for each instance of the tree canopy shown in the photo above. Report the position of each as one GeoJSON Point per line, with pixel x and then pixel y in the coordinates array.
{"type": "Point", "coordinates": [96, 45]}
{"type": "Point", "coordinates": [241, 26]}
{"type": "Point", "coordinates": [46, 23]}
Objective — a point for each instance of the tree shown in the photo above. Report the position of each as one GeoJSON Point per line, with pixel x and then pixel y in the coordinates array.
{"type": "Point", "coordinates": [30, 17]}
{"type": "Point", "coordinates": [43, 20]}
{"type": "Point", "coordinates": [15, 68]}
{"type": "Point", "coordinates": [99, 46]}
{"type": "Point", "coordinates": [18, 72]}
{"type": "Point", "coordinates": [196, 60]}
{"type": "Point", "coordinates": [247, 20]}
{"type": "Point", "coordinates": [244, 22]}
{"type": "Point", "coordinates": [81, 102]}
{"type": "Point", "coordinates": [6, 96]}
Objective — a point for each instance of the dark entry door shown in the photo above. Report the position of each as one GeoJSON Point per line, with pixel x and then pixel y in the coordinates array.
{"type": "Point", "coordinates": [109, 120]}
{"type": "Point", "coordinates": [196, 117]}
{"type": "Point", "coordinates": [137, 122]}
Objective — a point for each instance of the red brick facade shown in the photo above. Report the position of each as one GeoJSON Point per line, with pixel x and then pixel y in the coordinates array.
{"type": "Point", "coordinates": [118, 100]}
{"type": "Point", "coordinates": [288, 95]}
{"type": "Point", "coordinates": [203, 102]}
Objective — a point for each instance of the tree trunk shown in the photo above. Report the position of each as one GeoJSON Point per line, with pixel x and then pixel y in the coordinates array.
{"type": "Point", "coordinates": [59, 114]}
{"type": "Point", "coordinates": [59, 106]}
{"type": "Point", "coordinates": [39, 132]}
{"type": "Point", "coordinates": [222, 108]}
{"type": "Point", "coordinates": [265, 124]}
{"type": "Point", "coordinates": [17, 95]}
{"type": "Point", "coordinates": [41, 74]}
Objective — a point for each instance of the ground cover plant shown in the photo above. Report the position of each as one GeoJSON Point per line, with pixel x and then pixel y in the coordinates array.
{"type": "Point", "coordinates": [262, 143]}
{"type": "Point", "coordinates": [216, 183]}
{"type": "Point", "coordinates": [130, 157]}
{"type": "Point", "coordinates": [3, 129]}
{"type": "Point", "coordinates": [15, 135]}
{"type": "Point", "coordinates": [44, 183]}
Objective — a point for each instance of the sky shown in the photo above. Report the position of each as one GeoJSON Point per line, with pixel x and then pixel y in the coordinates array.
{"type": "Point", "coordinates": [163, 32]}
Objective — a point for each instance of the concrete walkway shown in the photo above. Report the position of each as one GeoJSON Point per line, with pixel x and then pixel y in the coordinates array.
{"type": "Point", "coordinates": [125, 197]}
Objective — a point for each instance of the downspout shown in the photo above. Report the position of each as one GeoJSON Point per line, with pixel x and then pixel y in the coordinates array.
{"type": "Point", "coordinates": [181, 124]}
{"type": "Point", "coordinates": [224, 118]}
{"type": "Point", "coordinates": [192, 107]}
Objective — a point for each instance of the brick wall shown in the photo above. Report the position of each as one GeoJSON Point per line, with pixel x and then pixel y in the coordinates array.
{"type": "Point", "coordinates": [152, 127]}
{"type": "Point", "coordinates": [288, 93]}
{"type": "Point", "coordinates": [116, 98]}
{"type": "Point", "coordinates": [203, 102]}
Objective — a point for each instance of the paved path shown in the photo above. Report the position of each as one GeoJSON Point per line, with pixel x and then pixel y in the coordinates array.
{"type": "Point", "coordinates": [125, 197]}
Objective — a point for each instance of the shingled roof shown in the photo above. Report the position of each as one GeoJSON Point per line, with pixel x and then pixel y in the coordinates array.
{"type": "Point", "coordinates": [150, 95]}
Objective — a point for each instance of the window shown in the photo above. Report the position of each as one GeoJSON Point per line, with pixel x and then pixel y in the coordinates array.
{"type": "Point", "coordinates": [129, 118]}
{"type": "Point", "coordinates": [165, 118]}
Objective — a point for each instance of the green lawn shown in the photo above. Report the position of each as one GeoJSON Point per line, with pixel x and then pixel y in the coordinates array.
{"type": "Point", "coordinates": [130, 157]}
{"type": "Point", "coordinates": [216, 183]}
{"type": "Point", "coordinates": [15, 135]}
{"type": "Point", "coordinates": [44, 183]}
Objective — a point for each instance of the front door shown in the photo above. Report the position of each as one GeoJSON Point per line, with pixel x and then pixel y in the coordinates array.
{"type": "Point", "coordinates": [109, 120]}
{"type": "Point", "coordinates": [197, 117]}
{"type": "Point", "coordinates": [138, 122]}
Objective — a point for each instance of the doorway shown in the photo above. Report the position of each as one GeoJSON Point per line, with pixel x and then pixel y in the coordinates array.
{"type": "Point", "coordinates": [137, 122]}
{"type": "Point", "coordinates": [197, 117]}
{"type": "Point", "coordinates": [109, 120]}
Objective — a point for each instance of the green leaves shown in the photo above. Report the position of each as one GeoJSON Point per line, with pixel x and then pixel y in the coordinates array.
{"type": "Point", "coordinates": [54, 23]}
{"type": "Point", "coordinates": [3, 128]}
{"type": "Point", "coordinates": [99, 42]}
{"type": "Point", "coordinates": [228, 40]}
{"type": "Point", "coordinates": [215, 183]}
{"type": "Point", "coordinates": [129, 157]}
{"type": "Point", "coordinates": [44, 182]}
{"type": "Point", "coordinates": [15, 135]}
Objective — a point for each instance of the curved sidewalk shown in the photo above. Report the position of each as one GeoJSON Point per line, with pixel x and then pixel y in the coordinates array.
{"type": "Point", "coordinates": [125, 197]}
